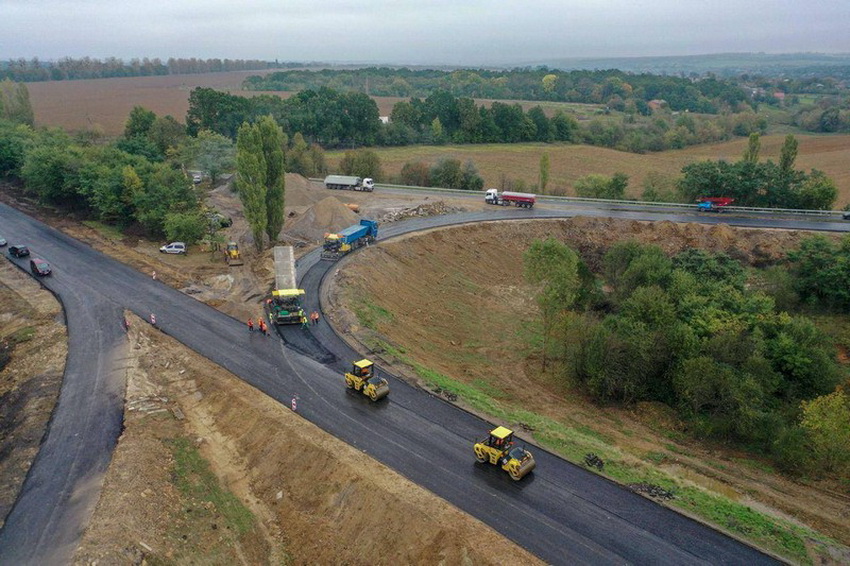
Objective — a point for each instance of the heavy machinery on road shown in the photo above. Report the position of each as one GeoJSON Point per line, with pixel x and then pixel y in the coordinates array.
{"type": "Point", "coordinates": [713, 204]}
{"type": "Point", "coordinates": [285, 303]}
{"type": "Point", "coordinates": [349, 183]}
{"type": "Point", "coordinates": [232, 255]}
{"type": "Point", "coordinates": [499, 449]}
{"type": "Point", "coordinates": [505, 198]}
{"type": "Point", "coordinates": [351, 238]}
{"type": "Point", "coordinates": [362, 378]}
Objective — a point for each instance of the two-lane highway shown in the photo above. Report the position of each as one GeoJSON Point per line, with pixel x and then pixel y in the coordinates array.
{"type": "Point", "coordinates": [562, 513]}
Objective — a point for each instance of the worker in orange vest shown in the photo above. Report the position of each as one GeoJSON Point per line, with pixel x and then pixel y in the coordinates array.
{"type": "Point", "coordinates": [250, 325]}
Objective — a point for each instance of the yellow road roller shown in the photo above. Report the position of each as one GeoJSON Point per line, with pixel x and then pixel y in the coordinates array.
{"type": "Point", "coordinates": [499, 449]}
{"type": "Point", "coordinates": [362, 378]}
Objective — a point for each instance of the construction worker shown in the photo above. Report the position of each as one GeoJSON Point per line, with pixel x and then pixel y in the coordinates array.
{"type": "Point", "coordinates": [265, 328]}
{"type": "Point", "coordinates": [250, 325]}
{"type": "Point", "coordinates": [303, 322]}
{"type": "Point", "coordinates": [315, 317]}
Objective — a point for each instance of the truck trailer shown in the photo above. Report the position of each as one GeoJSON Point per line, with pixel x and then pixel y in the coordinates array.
{"type": "Point", "coordinates": [349, 183]}
{"type": "Point", "coordinates": [713, 204]}
{"type": "Point", "coordinates": [353, 237]}
{"type": "Point", "coordinates": [506, 198]}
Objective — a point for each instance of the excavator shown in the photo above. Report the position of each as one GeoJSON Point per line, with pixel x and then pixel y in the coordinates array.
{"type": "Point", "coordinates": [232, 255]}
{"type": "Point", "coordinates": [362, 378]}
{"type": "Point", "coordinates": [499, 449]}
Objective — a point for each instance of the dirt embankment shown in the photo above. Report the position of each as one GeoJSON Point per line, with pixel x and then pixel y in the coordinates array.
{"type": "Point", "coordinates": [33, 348]}
{"type": "Point", "coordinates": [311, 497]}
{"type": "Point", "coordinates": [455, 301]}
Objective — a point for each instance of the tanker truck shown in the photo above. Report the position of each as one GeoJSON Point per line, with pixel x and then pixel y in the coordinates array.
{"type": "Point", "coordinates": [505, 198]}
{"type": "Point", "coordinates": [338, 244]}
{"type": "Point", "coordinates": [349, 183]}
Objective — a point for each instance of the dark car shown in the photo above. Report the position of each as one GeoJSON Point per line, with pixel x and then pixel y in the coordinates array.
{"type": "Point", "coordinates": [19, 251]}
{"type": "Point", "coordinates": [39, 266]}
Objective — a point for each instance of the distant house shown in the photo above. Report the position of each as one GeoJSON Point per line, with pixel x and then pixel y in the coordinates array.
{"type": "Point", "coordinates": [656, 104]}
{"type": "Point", "coordinates": [780, 96]}
{"type": "Point", "coordinates": [384, 119]}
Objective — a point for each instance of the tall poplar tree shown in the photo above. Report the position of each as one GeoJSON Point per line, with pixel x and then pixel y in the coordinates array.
{"type": "Point", "coordinates": [272, 139]}
{"type": "Point", "coordinates": [251, 180]}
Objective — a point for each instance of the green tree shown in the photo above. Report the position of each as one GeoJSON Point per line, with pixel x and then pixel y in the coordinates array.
{"type": "Point", "coordinates": [251, 180]}
{"type": "Point", "coordinates": [447, 173]}
{"type": "Point", "coordinates": [362, 163]}
{"type": "Point", "coordinates": [272, 148]}
{"type": "Point", "coordinates": [554, 267]}
{"type": "Point", "coordinates": [826, 421]}
{"type": "Point", "coordinates": [210, 152]}
{"type": "Point", "coordinates": [543, 178]}
{"type": "Point", "coordinates": [788, 155]}
{"type": "Point", "coordinates": [166, 133]}
{"type": "Point", "coordinates": [601, 186]}
{"type": "Point", "coordinates": [186, 227]}
{"type": "Point", "coordinates": [751, 154]}
{"type": "Point", "coordinates": [139, 122]}
{"type": "Point", "coordinates": [15, 103]}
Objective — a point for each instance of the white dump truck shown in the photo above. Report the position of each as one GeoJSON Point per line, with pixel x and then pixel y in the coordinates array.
{"type": "Point", "coordinates": [349, 183]}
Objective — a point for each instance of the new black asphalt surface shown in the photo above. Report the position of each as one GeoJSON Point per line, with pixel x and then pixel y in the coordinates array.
{"type": "Point", "coordinates": [562, 513]}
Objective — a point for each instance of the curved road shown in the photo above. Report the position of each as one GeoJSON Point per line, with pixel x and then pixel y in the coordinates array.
{"type": "Point", "coordinates": [561, 512]}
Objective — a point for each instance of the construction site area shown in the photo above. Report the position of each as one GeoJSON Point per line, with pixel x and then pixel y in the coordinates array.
{"type": "Point", "coordinates": [209, 470]}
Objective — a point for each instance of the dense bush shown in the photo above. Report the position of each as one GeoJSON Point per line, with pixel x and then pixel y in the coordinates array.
{"type": "Point", "coordinates": [688, 331]}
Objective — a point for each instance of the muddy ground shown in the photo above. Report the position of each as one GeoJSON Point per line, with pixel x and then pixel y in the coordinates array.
{"type": "Point", "coordinates": [462, 315]}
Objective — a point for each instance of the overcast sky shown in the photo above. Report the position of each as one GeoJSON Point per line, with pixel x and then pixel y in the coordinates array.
{"type": "Point", "coordinates": [459, 32]}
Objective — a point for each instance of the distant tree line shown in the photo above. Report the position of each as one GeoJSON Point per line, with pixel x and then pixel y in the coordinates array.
{"type": "Point", "coordinates": [701, 334]}
{"type": "Point", "coordinates": [333, 119]}
{"type": "Point", "coordinates": [67, 68]}
{"type": "Point", "coordinates": [617, 89]}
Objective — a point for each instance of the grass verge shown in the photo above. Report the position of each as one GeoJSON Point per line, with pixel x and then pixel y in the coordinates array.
{"type": "Point", "coordinates": [194, 479]}
{"type": "Point", "coordinates": [574, 442]}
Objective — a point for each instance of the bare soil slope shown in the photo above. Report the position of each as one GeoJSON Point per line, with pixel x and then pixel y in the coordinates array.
{"type": "Point", "coordinates": [310, 496]}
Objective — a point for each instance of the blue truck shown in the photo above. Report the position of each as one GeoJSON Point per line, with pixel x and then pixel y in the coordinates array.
{"type": "Point", "coordinates": [353, 237]}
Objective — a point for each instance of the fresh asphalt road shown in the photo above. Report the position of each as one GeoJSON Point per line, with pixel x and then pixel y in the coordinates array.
{"type": "Point", "coordinates": [561, 513]}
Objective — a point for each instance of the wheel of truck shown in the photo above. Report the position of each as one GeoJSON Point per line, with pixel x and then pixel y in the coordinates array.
{"type": "Point", "coordinates": [481, 456]}
{"type": "Point", "coordinates": [373, 394]}
{"type": "Point", "coordinates": [348, 384]}
{"type": "Point", "coordinates": [514, 473]}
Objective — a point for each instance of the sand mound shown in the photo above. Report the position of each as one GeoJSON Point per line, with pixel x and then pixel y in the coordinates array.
{"type": "Point", "coordinates": [327, 215]}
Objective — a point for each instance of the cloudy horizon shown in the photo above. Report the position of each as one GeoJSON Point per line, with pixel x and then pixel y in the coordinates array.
{"type": "Point", "coordinates": [435, 32]}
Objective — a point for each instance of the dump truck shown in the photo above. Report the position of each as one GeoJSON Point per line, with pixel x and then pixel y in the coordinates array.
{"type": "Point", "coordinates": [506, 198]}
{"type": "Point", "coordinates": [349, 183]}
{"type": "Point", "coordinates": [232, 255]}
{"type": "Point", "coordinates": [338, 244]}
{"type": "Point", "coordinates": [713, 204]}
{"type": "Point", "coordinates": [284, 306]}
{"type": "Point", "coordinates": [362, 378]}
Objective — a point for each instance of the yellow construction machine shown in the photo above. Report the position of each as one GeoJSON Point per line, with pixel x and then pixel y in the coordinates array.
{"type": "Point", "coordinates": [362, 378]}
{"type": "Point", "coordinates": [499, 449]}
{"type": "Point", "coordinates": [232, 255]}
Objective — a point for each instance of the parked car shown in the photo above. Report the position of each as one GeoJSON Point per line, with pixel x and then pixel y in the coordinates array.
{"type": "Point", "coordinates": [19, 251]}
{"type": "Point", "coordinates": [196, 178]}
{"type": "Point", "coordinates": [846, 215]}
{"type": "Point", "coordinates": [39, 267]}
{"type": "Point", "coordinates": [173, 248]}
{"type": "Point", "coordinates": [3, 242]}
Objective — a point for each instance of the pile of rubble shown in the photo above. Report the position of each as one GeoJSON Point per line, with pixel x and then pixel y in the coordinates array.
{"type": "Point", "coordinates": [652, 490]}
{"type": "Point", "coordinates": [430, 209]}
